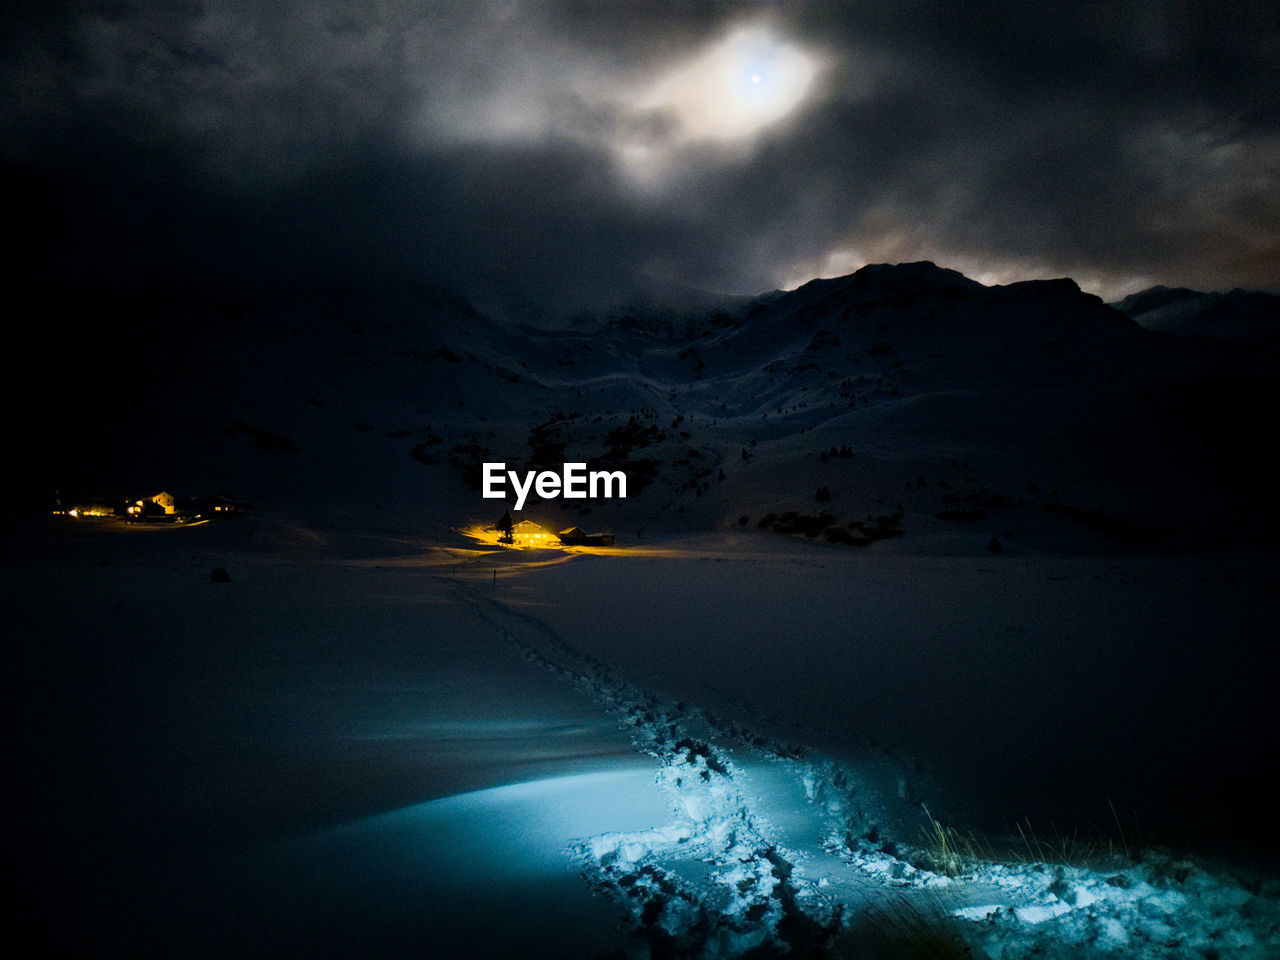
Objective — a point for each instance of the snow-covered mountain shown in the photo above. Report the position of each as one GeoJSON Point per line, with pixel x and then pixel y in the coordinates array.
{"type": "Point", "coordinates": [904, 390]}
{"type": "Point", "coordinates": [1248, 316]}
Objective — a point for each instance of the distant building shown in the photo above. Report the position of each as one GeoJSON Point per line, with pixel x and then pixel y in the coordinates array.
{"type": "Point", "coordinates": [526, 533]}
{"type": "Point", "coordinates": [577, 537]}
{"type": "Point", "coordinates": [219, 504]}
{"type": "Point", "coordinates": [165, 507]}
{"type": "Point", "coordinates": [88, 507]}
{"type": "Point", "coordinates": [166, 501]}
{"type": "Point", "coordinates": [163, 504]}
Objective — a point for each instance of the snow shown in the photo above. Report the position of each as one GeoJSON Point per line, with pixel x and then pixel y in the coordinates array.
{"type": "Point", "coordinates": [381, 737]}
{"type": "Point", "coordinates": [385, 751]}
{"type": "Point", "coordinates": [745, 834]}
{"type": "Point", "coordinates": [1245, 316]}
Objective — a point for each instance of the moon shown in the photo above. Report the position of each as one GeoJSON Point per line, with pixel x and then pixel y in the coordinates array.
{"type": "Point", "coordinates": [736, 87]}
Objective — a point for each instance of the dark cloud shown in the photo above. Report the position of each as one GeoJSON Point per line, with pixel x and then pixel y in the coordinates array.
{"type": "Point", "coordinates": [508, 149]}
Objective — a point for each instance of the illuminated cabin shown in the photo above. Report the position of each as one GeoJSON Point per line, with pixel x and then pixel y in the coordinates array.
{"type": "Point", "coordinates": [220, 504]}
{"type": "Point", "coordinates": [577, 537]}
{"type": "Point", "coordinates": [164, 507]}
{"type": "Point", "coordinates": [526, 533]}
{"type": "Point", "coordinates": [162, 504]}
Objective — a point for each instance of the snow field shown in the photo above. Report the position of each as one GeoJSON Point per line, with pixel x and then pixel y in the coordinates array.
{"type": "Point", "coordinates": [771, 847]}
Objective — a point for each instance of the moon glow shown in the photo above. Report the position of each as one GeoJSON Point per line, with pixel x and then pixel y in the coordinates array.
{"type": "Point", "coordinates": [735, 88]}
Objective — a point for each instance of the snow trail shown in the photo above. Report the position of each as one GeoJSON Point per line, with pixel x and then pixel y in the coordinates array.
{"type": "Point", "coordinates": [772, 850]}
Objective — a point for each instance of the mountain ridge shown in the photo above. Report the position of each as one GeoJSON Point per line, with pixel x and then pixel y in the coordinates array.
{"type": "Point", "coordinates": [1247, 316]}
{"type": "Point", "coordinates": [392, 398]}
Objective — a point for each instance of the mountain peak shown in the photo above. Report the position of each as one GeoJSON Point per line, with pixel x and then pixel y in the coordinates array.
{"type": "Point", "coordinates": [1248, 316]}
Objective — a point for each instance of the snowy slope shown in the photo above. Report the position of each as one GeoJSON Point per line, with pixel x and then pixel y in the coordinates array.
{"type": "Point", "coordinates": [1240, 315]}
{"type": "Point", "coordinates": [949, 395]}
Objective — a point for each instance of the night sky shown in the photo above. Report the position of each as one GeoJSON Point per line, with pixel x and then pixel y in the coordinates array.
{"type": "Point", "coordinates": [544, 157]}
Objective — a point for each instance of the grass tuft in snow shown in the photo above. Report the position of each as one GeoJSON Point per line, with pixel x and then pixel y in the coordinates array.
{"type": "Point", "coordinates": [1071, 849]}
{"type": "Point", "coordinates": [945, 850]}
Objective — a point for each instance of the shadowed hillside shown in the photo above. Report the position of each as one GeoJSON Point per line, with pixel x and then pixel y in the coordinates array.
{"type": "Point", "coordinates": [908, 391]}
